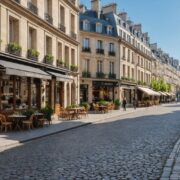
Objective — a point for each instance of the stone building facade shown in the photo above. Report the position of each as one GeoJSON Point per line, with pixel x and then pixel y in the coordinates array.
{"type": "Point", "coordinates": [39, 53]}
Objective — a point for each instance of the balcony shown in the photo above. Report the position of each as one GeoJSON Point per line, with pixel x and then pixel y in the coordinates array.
{"type": "Point", "coordinates": [33, 8]}
{"type": "Point", "coordinates": [112, 76]}
{"type": "Point", "coordinates": [86, 49]}
{"type": "Point", "coordinates": [48, 18]}
{"type": "Point", "coordinates": [18, 1]}
{"type": "Point", "coordinates": [86, 74]}
{"type": "Point", "coordinates": [100, 51]}
{"type": "Point", "coordinates": [73, 35]}
{"type": "Point", "coordinates": [112, 53]}
{"type": "Point", "coordinates": [62, 28]}
{"type": "Point", "coordinates": [100, 75]}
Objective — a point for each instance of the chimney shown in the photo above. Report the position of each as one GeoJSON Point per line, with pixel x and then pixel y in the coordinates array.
{"type": "Point", "coordinates": [110, 8]}
{"type": "Point", "coordinates": [82, 8]}
{"type": "Point", "coordinates": [123, 16]}
{"type": "Point", "coordinates": [96, 6]}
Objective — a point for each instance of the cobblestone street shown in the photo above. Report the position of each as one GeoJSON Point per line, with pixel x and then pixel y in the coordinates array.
{"type": "Point", "coordinates": [135, 146]}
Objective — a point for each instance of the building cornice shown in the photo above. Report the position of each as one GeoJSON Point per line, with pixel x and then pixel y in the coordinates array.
{"type": "Point", "coordinates": [71, 5]}
{"type": "Point", "coordinates": [38, 20]}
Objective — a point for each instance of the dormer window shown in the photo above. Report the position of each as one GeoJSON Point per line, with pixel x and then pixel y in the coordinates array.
{"type": "Point", "coordinates": [109, 30]}
{"type": "Point", "coordinates": [86, 25]}
{"type": "Point", "coordinates": [99, 28]}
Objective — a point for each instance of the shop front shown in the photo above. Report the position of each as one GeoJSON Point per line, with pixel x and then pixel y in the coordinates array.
{"type": "Point", "coordinates": [128, 92]}
{"type": "Point", "coordinates": [102, 90]}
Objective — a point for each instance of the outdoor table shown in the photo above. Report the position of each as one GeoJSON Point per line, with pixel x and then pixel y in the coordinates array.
{"type": "Point", "coordinates": [103, 108]}
{"type": "Point", "coordinates": [76, 111]}
{"type": "Point", "coordinates": [17, 120]}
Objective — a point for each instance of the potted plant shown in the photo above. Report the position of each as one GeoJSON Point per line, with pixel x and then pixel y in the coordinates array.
{"type": "Point", "coordinates": [117, 103]}
{"type": "Point", "coordinates": [47, 111]}
{"type": "Point", "coordinates": [49, 59]}
{"type": "Point", "coordinates": [85, 105]}
{"type": "Point", "coordinates": [66, 65]}
{"type": "Point", "coordinates": [74, 68]}
{"type": "Point", "coordinates": [33, 54]}
{"type": "Point", "coordinates": [14, 48]}
{"type": "Point", "coordinates": [60, 62]}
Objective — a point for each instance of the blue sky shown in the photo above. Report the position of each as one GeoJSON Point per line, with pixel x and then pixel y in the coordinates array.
{"type": "Point", "coordinates": [161, 18]}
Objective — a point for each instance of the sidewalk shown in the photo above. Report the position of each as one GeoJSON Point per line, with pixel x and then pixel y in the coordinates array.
{"type": "Point", "coordinates": [12, 139]}
{"type": "Point", "coordinates": [171, 169]}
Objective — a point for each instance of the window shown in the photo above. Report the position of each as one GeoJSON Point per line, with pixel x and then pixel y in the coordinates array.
{"type": "Point", "coordinates": [142, 79]}
{"type": "Point", "coordinates": [132, 73]}
{"type": "Point", "coordinates": [72, 23]}
{"type": "Point", "coordinates": [124, 53]}
{"type": "Point", "coordinates": [86, 43]}
{"type": "Point", "coordinates": [128, 55]}
{"type": "Point", "coordinates": [111, 67]}
{"type": "Point", "coordinates": [128, 71]}
{"type": "Point", "coordinates": [73, 56]}
{"type": "Point", "coordinates": [86, 65]}
{"type": "Point", "coordinates": [99, 28]}
{"type": "Point", "coordinates": [86, 25]}
{"type": "Point", "coordinates": [62, 15]}
{"type": "Point", "coordinates": [111, 47]}
{"type": "Point", "coordinates": [59, 53]}
{"type": "Point", "coordinates": [99, 66]}
{"type": "Point", "coordinates": [138, 61]}
{"type": "Point", "coordinates": [132, 57]}
{"type": "Point", "coordinates": [124, 70]}
{"type": "Point", "coordinates": [48, 7]}
{"type": "Point", "coordinates": [142, 62]}
{"type": "Point", "coordinates": [13, 30]}
{"type": "Point", "coordinates": [48, 45]}
{"type": "Point", "coordinates": [32, 38]}
{"type": "Point", "coordinates": [139, 75]}
{"type": "Point", "coordinates": [99, 44]}
{"type": "Point", "coordinates": [120, 32]}
{"type": "Point", "coordinates": [109, 30]}
{"type": "Point", "coordinates": [124, 35]}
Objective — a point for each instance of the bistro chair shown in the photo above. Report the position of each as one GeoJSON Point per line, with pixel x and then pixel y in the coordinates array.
{"type": "Point", "coordinates": [29, 123]}
{"type": "Point", "coordinates": [4, 123]}
{"type": "Point", "coordinates": [96, 108]}
{"type": "Point", "coordinates": [83, 112]}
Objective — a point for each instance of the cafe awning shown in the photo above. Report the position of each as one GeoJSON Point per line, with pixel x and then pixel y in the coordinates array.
{"type": "Point", "coordinates": [61, 77]}
{"type": "Point", "coordinates": [148, 91]}
{"type": "Point", "coordinates": [12, 68]}
{"type": "Point", "coordinates": [163, 93]}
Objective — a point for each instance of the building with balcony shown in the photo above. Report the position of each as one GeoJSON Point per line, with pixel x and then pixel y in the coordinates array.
{"type": "Point", "coordinates": [99, 56]}
{"type": "Point", "coordinates": [39, 53]}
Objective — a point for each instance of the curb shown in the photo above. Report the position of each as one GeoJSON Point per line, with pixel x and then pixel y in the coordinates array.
{"type": "Point", "coordinates": [61, 131]}
{"type": "Point", "coordinates": [169, 165]}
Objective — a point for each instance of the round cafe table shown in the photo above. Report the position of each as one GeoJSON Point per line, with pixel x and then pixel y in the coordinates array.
{"type": "Point", "coordinates": [17, 120]}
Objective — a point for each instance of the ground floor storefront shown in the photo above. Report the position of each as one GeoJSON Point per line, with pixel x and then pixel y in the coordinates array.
{"type": "Point", "coordinates": [24, 86]}
{"type": "Point", "coordinates": [96, 90]}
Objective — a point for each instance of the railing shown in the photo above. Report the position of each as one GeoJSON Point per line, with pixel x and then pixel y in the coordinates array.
{"type": "Point", "coordinates": [33, 8]}
{"type": "Point", "coordinates": [100, 75]}
{"type": "Point", "coordinates": [62, 28]}
{"type": "Point", "coordinates": [100, 51]}
{"type": "Point", "coordinates": [86, 74]}
{"type": "Point", "coordinates": [73, 35]}
{"type": "Point", "coordinates": [112, 76]}
{"type": "Point", "coordinates": [48, 18]}
{"type": "Point", "coordinates": [86, 49]}
{"type": "Point", "coordinates": [112, 53]}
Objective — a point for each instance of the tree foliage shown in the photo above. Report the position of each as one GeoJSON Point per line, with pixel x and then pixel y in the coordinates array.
{"type": "Point", "coordinates": [160, 85]}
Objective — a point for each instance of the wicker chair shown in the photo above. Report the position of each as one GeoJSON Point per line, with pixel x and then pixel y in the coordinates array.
{"type": "Point", "coordinates": [29, 123]}
{"type": "Point", "coordinates": [4, 123]}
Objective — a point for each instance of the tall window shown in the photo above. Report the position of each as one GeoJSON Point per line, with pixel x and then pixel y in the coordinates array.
{"type": "Point", "coordinates": [141, 62]}
{"type": "Point", "coordinates": [86, 25]}
{"type": "Point", "coordinates": [86, 65]}
{"type": "Point", "coordinates": [142, 77]}
{"type": "Point", "coordinates": [138, 61]}
{"type": "Point", "coordinates": [62, 15]}
{"type": "Point", "coordinates": [99, 44]}
{"type": "Point", "coordinates": [128, 72]}
{"type": "Point", "coordinates": [48, 7]}
{"type": "Point", "coordinates": [99, 28]}
{"type": "Point", "coordinates": [128, 55]}
{"type": "Point", "coordinates": [111, 47]}
{"type": "Point", "coordinates": [72, 23]}
{"type": "Point", "coordinates": [109, 30]}
{"type": "Point", "coordinates": [86, 43]}
{"type": "Point", "coordinates": [132, 73]}
{"type": "Point", "coordinates": [99, 66]}
{"type": "Point", "coordinates": [111, 67]}
{"type": "Point", "coordinates": [124, 70]}
{"type": "Point", "coordinates": [124, 53]}
{"type": "Point", "coordinates": [32, 38]}
{"type": "Point", "coordinates": [73, 56]}
{"type": "Point", "coordinates": [48, 45]}
{"type": "Point", "coordinates": [13, 30]}
{"type": "Point", "coordinates": [133, 57]}
{"type": "Point", "coordinates": [59, 50]}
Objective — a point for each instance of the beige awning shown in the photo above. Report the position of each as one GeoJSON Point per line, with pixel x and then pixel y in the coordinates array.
{"type": "Point", "coordinates": [148, 91]}
{"type": "Point", "coordinates": [12, 68]}
{"type": "Point", "coordinates": [61, 77]}
{"type": "Point", "coordinates": [163, 93]}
